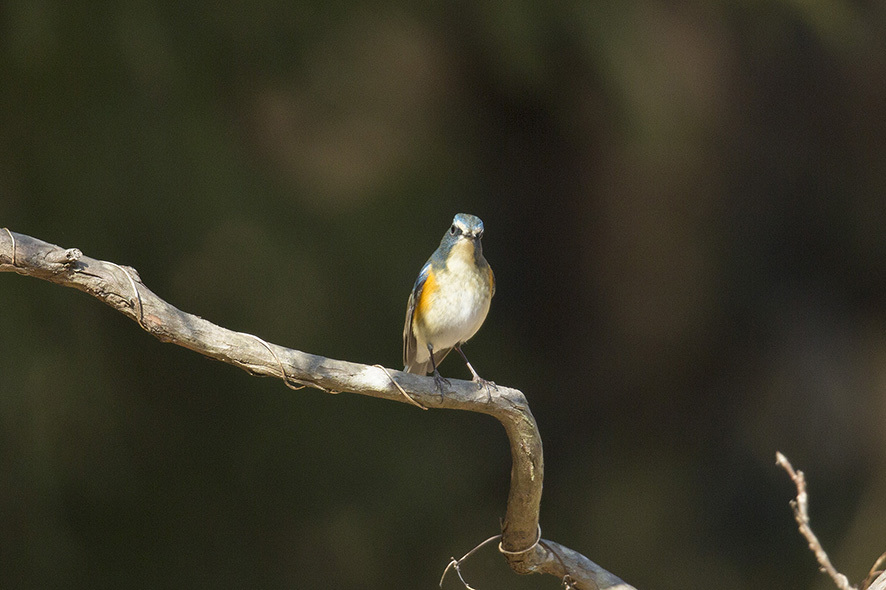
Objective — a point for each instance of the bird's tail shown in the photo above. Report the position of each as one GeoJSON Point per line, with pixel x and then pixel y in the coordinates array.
{"type": "Point", "coordinates": [426, 367]}
{"type": "Point", "coordinates": [419, 368]}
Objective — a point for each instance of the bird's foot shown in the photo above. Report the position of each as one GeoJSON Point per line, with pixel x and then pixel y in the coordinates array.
{"type": "Point", "coordinates": [484, 384]}
{"type": "Point", "coordinates": [440, 380]}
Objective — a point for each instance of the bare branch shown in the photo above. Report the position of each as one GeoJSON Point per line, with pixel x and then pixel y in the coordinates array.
{"type": "Point", "coordinates": [121, 288]}
{"type": "Point", "coordinates": [876, 579]}
{"type": "Point", "coordinates": [801, 514]}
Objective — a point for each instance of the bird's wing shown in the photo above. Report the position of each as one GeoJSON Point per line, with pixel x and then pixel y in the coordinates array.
{"type": "Point", "coordinates": [409, 343]}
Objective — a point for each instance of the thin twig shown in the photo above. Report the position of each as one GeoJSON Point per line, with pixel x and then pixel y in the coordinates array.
{"type": "Point", "coordinates": [801, 514]}
{"type": "Point", "coordinates": [456, 563]}
{"type": "Point", "coordinates": [877, 575]}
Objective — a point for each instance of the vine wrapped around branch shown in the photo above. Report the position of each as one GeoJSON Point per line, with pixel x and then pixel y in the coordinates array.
{"type": "Point", "coordinates": [121, 288]}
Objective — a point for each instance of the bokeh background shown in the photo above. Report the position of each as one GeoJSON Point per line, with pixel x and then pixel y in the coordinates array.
{"type": "Point", "coordinates": [685, 206]}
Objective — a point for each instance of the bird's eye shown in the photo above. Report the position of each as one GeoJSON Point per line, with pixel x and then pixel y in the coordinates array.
{"type": "Point", "coordinates": [453, 230]}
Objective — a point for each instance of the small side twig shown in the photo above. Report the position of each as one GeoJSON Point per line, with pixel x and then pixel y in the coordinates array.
{"type": "Point", "coordinates": [876, 579]}
{"type": "Point", "coordinates": [801, 514]}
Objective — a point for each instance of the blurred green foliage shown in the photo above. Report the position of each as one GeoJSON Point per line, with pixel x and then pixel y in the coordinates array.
{"type": "Point", "coordinates": [685, 210]}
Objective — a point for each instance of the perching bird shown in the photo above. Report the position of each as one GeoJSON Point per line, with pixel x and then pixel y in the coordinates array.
{"type": "Point", "coordinates": [449, 301]}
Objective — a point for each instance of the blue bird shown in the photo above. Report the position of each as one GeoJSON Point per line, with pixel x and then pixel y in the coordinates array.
{"type": "Point", "coordinates": [449, 301]}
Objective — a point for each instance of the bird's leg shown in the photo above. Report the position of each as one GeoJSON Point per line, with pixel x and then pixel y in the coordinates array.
{"type": "Point", "coordinates": [483, 383]}
{"type": "Point", "coordinates": [438, 378]}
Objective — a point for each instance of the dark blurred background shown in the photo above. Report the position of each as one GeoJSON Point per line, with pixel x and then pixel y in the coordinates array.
{"type": "Point", "coordinates": [685, 206]}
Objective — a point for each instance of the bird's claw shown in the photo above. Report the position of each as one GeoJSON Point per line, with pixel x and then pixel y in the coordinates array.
{"type": "Point", "coordinates": [439, 380]}
{"type": "Point", "coordinates": [484, 384]}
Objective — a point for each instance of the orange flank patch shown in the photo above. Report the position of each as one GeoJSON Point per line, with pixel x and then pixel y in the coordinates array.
{"type": "Point", "coordinates": [424, 299]}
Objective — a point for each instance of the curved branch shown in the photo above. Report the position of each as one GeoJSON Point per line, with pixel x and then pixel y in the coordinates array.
{"type": "Point", "coordinates": [121, 288]}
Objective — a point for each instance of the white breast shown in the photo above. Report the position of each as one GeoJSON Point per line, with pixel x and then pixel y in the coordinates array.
{"type": "Point", "coordinates": [458, 306]}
